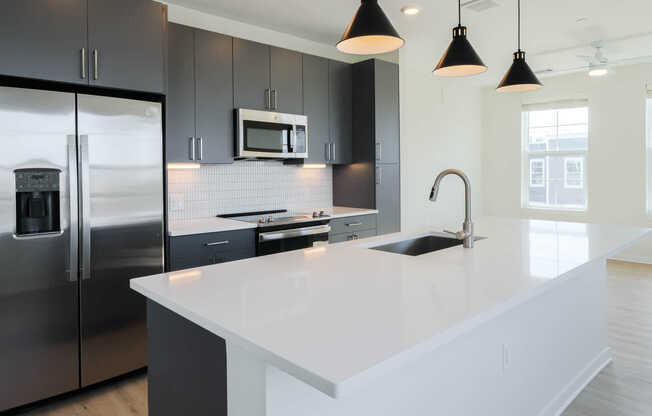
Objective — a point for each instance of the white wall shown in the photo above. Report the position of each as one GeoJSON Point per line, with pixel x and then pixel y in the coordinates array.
{"type": "Point", "coordinates": [441, 127]}
{"type": "Point", "coordinates": [616, 170]}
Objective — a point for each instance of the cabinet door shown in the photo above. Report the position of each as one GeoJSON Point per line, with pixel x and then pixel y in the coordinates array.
{"type": "Point", "coordinates": [43, 39]}
{"type": "Point", "coordinates": [388, 197]}
{"type": "Point", "coordinates": [251, 74]}
{"type": "Point", "coordinates": [128, 36]}
{"type": "Point", "coordinates": [387, 112]}
{"type": "Point", "coordinates": [214, 95]}
{"type": "Point", "coordinates": [286, 81]}
{"type": "Point", "coordinates": [180, 124]}
{"type": "Point", "coordinates": [315, 105]}
{"type": "Point", "coordinates": [340, 104]}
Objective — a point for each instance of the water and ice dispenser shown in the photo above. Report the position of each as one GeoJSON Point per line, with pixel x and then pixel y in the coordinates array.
{"type": "Point", "coordinates": [37, 201]}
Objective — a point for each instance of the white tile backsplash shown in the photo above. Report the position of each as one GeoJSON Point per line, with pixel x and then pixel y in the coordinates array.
{"type": "Point", "coordinates": [254, 185]}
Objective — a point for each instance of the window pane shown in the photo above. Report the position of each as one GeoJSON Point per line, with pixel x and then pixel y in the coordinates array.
{"type": "Point", "coordinates": [573, 116]}
{"type": "Point", "coordinates": [543, 118]}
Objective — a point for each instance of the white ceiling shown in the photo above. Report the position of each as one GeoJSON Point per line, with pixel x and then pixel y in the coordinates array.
{"type": "Point", "coordinates": [551, 34]}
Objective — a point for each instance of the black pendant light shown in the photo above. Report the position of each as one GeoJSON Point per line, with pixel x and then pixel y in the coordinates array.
{"type": "Point", "coordinates": [460, 59]}
{"type": "Point", "coordinates": [519, 77]}
{"type": "Point", "coordinates": [370, 32]}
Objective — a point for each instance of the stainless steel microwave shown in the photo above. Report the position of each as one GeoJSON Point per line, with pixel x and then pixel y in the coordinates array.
{"type": "Point", "coordinates": [263, 134]}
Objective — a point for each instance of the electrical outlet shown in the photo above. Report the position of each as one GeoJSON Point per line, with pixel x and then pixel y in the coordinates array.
{"type": "Point", "coordinates": [507, 357]}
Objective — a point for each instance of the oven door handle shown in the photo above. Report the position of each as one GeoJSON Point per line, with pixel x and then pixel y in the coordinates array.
{"type": "Point", "coordinates": [296, 232]}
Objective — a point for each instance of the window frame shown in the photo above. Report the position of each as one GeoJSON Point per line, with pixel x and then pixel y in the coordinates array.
{"type": "Point", "coordinates": [581, 163]}
{"type": "Point", "coordinates": [527, 155]}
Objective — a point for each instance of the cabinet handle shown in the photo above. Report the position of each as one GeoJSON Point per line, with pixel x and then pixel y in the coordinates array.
{"type": "Point", "coordinates": [96, 71]}
{"type": "Point", "coordinates": [83, 63]}
{"type": "Point", "coordinates": [332, 151]}
{"type": "Point", "coordinates": [379, 151]}
{"type": "Point", "coordinates": [379, 174]}
{"type": "Point", "coordinates": [275, 99]}
{"type": "Point", "coordinates": [217, 243]}
{"type": "Point", "coordinates": [268, 99]}
{"type": "Point", "coordinates": [354, 224]}
{"type": "Point", "coordinates": [327, 146]}
{"type": "Point", "coordinates": [192, 148]}
{"type": "Point", "coordinates": [200, 140]}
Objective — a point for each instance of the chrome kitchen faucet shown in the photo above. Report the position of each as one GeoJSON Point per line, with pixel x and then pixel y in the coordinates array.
{"type": "Point", "coordinates": [467, 227]}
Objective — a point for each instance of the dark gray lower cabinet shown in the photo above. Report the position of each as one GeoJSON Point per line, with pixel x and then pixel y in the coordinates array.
{"type": "Point", "coordinates": [352, 228]}
{"type": "Point", "coordinates": [126, 43]}
{"type": "Point", "coordinates": [210, 248]}
{"type": "Point", "coordinates": [187, 366]}
{"type": "Point", "coordinates": [388, 198]}
{"type": "Point", "coordinates": [43, 39]}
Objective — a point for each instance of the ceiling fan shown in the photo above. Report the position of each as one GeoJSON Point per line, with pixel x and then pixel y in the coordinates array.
{"type": "Point", "coordinates": [598, 63]}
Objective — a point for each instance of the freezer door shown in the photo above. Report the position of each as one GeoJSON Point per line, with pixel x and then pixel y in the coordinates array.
{"type": "Point", "coordinates": [121, 194]}
{"type": "Point", "coordinates": [38, 273]}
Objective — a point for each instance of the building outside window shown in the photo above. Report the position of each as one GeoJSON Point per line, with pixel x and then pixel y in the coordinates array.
{"type": "Point", "coordinates": [555, 146]}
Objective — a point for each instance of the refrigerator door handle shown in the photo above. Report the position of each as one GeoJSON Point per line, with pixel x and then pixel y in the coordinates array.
{"type": "Point", "coordinates": [73, 258]}
{"type": "Point", "coordinates": [85, 208]}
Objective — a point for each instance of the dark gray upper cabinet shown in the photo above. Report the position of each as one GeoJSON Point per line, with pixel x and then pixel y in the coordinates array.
{"type": "Point", "coordinates": [267, 78]}
{"type": "Point", "coordinates": [180, 123]}
{"type": "Point", "coordinates": [340, 112]}
{"type": "Point", "coordinates": [286, 81]}
{"type": "Point", "coordinates": [388, 198]}
{"type": "Point", "coordinates": [315, 105]}
{"type": "Point", "coordinates": [43, 39]}
{"type": "Point", "coordinates": [251, 75]}
{"type": "Point", "coordinates": [386, 112]}
{"type": "Point", "coordinates": [126, 41]}
{"type": "Point", "coordinates": [200, 96]}
{"type": "Point", "coordinates": [214, 96]}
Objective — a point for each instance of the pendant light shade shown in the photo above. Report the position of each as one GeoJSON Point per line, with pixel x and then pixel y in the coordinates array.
{"type": "Point", "coordinates": [370, 32]}
{"type": "Point", "coordinates": [519, 77]}
{"type": "Point", "coordinates": [460, 59]}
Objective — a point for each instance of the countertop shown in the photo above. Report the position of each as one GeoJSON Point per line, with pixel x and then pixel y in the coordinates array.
{"type": "Point", "coordinates": [339, 316]}
{"type": "Point", "coordinates": [178, 228]}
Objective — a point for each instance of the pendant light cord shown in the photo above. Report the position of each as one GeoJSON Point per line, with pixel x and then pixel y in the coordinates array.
{"type": "Point", "coordinates": [519, 25]}
{"type": "Point", "coordinates": [459, 12]}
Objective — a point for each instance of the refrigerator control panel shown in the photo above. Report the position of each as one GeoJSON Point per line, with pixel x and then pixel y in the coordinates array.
{"type": "Point", "coordinates": [36, 180]}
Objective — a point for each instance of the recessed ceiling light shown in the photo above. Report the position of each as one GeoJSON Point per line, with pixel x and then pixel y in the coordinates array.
{"type": "Point", "coordinates": [581, 20]}
{"type": "Point", "coordinates": [410, 10]}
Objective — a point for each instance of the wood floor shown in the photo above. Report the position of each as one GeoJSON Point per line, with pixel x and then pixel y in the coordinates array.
{"type": "Point", "coordinates": [624, 388]}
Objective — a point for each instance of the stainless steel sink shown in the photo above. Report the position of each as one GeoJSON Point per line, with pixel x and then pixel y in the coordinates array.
{"type": "Point", "coordinates": [421, 245]}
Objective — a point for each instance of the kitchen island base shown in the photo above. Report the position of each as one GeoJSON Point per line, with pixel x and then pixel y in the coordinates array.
{"type": "Point", "coordinates": [524, 357]}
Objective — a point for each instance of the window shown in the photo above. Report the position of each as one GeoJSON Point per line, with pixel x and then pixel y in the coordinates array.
{"type": "Point", "coordinates": [573, 173]}
{"type": "Point", "coordinates": [555, 145]}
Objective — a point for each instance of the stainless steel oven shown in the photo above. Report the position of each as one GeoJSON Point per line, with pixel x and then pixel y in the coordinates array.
{"type": "Point", "coordinates": [286, 238]}
{"type": "Point", "coordinates": [263, 134]}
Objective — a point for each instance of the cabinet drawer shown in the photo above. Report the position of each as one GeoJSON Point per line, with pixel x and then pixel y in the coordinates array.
{"type": "Point", "coordinates": [202, 249]}
{"type": "Point", "coordinates": [350, 224]}
{"type": "Point", "coordinates": [356, 235]}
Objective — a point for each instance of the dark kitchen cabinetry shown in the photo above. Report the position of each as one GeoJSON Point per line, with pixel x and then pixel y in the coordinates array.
{"type": "Point", "coordinates": [126, 41]}
{"type": "Point", "coordinates": [352, 228]}
{"type": "Point", "coordinates": [340, 112]}
{"type": "Point", "coordinates": [43, 39]}
{"type": "Point", "coordinates": [107, 43]}
{"type": "Point", "coordinates": [373, 180]}
{"type": "Point", "coordinates": [315, 105]}
{"type": "Point", "coordinates": [267, 78]}
{"type": "Point", "coordinates": [211, 248]}
{"type": "Point", "coordinates": [200, 96]}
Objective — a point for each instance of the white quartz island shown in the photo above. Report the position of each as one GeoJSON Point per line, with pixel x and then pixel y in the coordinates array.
{"type": "Point", "coordinates": [515, 326]}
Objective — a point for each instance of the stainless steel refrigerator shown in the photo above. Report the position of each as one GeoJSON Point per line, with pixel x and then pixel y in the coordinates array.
{"type": "Point", "coordinates": [81, 213]}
